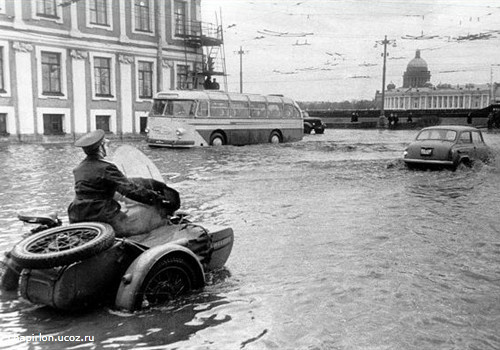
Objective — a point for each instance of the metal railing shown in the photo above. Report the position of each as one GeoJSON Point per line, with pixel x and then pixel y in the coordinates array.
{"type": "Point", "coordinates": [197, 30]}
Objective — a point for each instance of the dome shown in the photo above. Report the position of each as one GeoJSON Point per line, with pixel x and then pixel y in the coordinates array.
{"type": "Point", "coordinates": [391, 86]}
{"type": "Point", "coordinates": [417, 64]}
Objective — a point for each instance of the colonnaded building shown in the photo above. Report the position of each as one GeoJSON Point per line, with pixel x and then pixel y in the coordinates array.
{"type": "Point", "coordinates": [70, 66]}
{"type": "Point", "coordinates": [419, 94]}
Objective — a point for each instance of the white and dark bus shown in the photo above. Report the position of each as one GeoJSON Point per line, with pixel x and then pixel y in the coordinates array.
{"type": "Point", "coordinates": [204, 118]}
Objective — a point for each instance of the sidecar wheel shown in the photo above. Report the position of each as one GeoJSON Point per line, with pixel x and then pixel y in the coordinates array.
{"type": "Point", "coordinates": [167, 280]}
{"type": "Point", "coordinates": [63, 245]}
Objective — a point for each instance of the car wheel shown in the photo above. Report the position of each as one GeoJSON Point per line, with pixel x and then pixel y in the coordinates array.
{"type": "Point", "coordinates": [63, 245]}
{"type": "Point", "coordinates": [168, 279]}
{"type": "Point", "coordinates": [275, 137]}
{"type": "Point", "coordinates": [217, 139]}
{"type": "Point", "coordinates": [307, 129]}
{"type": "Point", "coordinates": [463, 163]}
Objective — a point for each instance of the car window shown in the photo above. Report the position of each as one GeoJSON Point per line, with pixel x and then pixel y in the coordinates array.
{"type": "Point", "coordinates": [477, 137]}
{"type": "Point", "coordinates": [424, 135]}
{"type": "Point", "coordinates": [448, 135]}
{"type": "Point", "coordinates": [465, 137]}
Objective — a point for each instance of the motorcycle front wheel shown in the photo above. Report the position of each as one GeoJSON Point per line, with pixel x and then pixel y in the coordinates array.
{"type": "Point", "coordinates": [168, 279]}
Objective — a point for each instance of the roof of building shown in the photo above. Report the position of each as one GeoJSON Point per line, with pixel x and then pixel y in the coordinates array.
{"type": "Point", "coordinates": [417, 63]}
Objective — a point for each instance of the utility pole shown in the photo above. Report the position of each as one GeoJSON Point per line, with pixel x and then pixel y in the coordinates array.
{"type": "Point", "coordinates": [241, 53]}
{"type": "Point", "coordinates": [492, 89]}
{"type": "Point", "coordinates": [385, 54]}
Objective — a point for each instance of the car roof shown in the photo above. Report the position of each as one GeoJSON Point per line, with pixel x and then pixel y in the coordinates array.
{"type": "Point", "coordinates": [452, 127]}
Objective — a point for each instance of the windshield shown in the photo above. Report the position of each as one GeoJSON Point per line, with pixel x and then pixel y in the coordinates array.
{"type": "Point", "coordinates": [437, 134]}
{"type": "Point", "coordinates": [174, 108]}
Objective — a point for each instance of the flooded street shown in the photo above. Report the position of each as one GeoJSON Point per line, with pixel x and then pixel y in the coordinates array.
{"type": "Point", "coordinates": [337, 246]}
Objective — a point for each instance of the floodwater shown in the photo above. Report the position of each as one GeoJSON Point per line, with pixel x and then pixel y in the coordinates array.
{"type": "Point", "coordinates": [337, 246]}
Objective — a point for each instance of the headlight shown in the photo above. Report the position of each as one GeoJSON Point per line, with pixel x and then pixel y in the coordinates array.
{"type": "Point", "coordinates": [179, 132]}
{"type": "Point", "coordinates": [405, 153]}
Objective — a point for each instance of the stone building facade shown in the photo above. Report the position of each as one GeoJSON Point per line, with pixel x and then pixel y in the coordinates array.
{"type": "Point", "coordinates": [70, 66]}
{"type": "Point", "coordinates": [419, 93]}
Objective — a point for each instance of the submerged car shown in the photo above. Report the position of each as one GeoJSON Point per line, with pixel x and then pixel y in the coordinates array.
{"type": "Point", "coordinates": [446, 146]}
{"type": "Point", "coordinates": [314, 124]}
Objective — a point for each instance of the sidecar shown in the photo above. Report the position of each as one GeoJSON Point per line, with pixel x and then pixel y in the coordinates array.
{"type": "Point", "coordinates": [77, 266]}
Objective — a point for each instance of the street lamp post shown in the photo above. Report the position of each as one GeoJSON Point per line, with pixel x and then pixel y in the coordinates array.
{"type": "Point", "coordinates": [492, 90]}
{"type": "Point", "coordinates": [385, 54]}
{"type": "Point", "coordinates": [241, 53]}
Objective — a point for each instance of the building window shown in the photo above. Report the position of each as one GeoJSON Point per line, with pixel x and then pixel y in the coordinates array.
{"type": "Point", "coordinates": [102, 76]}
{"type": "Point", "coordinates": [53, 124]}
{"type": "Point", "coordinates": [51, 73]}
{"type": "Point", "coordinates": [2, 79]}
{"type": "Point", "coordinates": [142, 15]}
{"type": "Point", "coordinates": [98, 12]}
{"type": "Point", "coordinates": [102, 122]}
{"type": "Point", "coordinates": [145, 72]}
{"type": "Point", "coordinates": [182, 77]}
{"type": "Point", "coordinates": [46, 8]}
{"type": "Point", "coordinates": [180, 17]}
{"type": "Point", "coordinates": [3, 124]}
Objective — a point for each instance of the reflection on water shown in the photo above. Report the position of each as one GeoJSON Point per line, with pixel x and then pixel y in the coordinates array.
{"type": "Point", "coordinates": [337, 246]}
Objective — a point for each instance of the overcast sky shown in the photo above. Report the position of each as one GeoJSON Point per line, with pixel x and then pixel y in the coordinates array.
{"type": "Point", "coordinates": [313, 50]}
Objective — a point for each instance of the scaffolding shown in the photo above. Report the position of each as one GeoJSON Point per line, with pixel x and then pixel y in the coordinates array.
{"type": "Point", "coordinates": [209, 38]}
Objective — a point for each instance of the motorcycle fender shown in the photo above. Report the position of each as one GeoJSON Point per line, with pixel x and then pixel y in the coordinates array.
{"type": "Point", "coordinates": [133, 278]}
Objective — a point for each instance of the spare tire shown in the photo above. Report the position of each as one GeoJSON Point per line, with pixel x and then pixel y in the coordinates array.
{"type": "Point", "coordinates": [63, 245]}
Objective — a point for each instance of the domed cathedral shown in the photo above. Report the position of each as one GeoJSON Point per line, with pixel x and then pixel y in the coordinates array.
{"type": "Point", "coordinates": [417, 74]}
{"type": "Point", "coordinates": [418, 93]}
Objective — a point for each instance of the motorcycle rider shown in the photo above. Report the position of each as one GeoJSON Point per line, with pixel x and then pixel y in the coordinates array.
{"type": "Point", "coordinates": [96, 183]}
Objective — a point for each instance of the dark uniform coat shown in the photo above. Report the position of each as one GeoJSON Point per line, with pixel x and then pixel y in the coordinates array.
{"type": "Point", "coordinates": [96, 182]}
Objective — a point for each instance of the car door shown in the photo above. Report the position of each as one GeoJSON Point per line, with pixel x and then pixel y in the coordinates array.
{"type": "Point", "coordinates": [464, 146]}
{"type": "Point", "coordinates": [480, 148]}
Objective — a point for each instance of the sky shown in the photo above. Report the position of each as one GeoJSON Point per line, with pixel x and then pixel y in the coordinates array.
{"type": "Point", "coordinates": [330, 50]}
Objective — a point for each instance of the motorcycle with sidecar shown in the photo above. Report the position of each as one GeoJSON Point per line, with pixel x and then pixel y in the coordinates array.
{"type": "Point", "coordinates": [75, 266]}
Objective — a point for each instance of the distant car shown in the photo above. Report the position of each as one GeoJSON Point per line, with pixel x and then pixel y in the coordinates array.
{"type": "Point", "coordinates": [446, 146]}
{"type": "Point", "coordinates": [315, 124]}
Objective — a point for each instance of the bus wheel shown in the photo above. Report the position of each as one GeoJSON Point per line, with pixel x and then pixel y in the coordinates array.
{"type": "Point", "coordinates": [275, 137]}
{"type": "Point", "coordinates": [217, 139]}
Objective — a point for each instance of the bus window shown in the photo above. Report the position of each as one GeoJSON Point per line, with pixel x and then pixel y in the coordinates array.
{"type": "Point", "coordinates": [240, 109]}
{"type": "Point", "coordinates": [257, 110]}
{"type": "Point", "coordinates": [296, 113]}
{"type": "Point", "coordinates": [219, 108]}
{"type": "Point", "coordinates": [202, 109]}
{"type": "Point", "coordinates": [274, 110]}
{"type": "Point", "coordinates": [159, 107]}
{"type": "Point", "coordinates": [182, 108]}
{"type": "Point", "coordinates": [289, 112]}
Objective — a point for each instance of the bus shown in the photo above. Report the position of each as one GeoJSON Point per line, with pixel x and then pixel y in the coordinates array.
{"type": "Point", "coordinates": [215, 118]}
